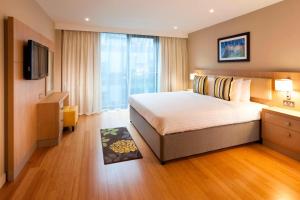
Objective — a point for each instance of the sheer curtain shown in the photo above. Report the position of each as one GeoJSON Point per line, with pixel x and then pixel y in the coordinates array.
{"type": "Point", "coordinates": [81, 70]}
{"type": "Point", "coordinates": [128, 66]}
{"type": "Point", "coordinates": [114, 70]}
{"type": "Point", "coordinates": [174, 64]}
{"type": "Point", "coordinates": [143, 64]}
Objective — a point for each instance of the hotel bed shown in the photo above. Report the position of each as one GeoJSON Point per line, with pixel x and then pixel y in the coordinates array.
{"type": "Point", "coordinates": [181, 124]}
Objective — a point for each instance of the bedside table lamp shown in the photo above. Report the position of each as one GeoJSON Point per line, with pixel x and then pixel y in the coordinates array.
{"type": "Point", "coordinates": [284, 85]}
{"type": "Point", "coordinates": [192, 76]}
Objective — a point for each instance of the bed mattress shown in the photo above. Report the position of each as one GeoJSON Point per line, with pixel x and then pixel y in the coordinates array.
{"type": "Point", "coordinates": [173, 112]}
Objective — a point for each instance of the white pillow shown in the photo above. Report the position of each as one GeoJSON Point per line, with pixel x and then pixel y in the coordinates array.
{"type": "Point", "coordinates": [245, 94]}
{"type": "Point", "coordinates": [236, 89]}
{"type": "Point", "coordinates": [211, 85]}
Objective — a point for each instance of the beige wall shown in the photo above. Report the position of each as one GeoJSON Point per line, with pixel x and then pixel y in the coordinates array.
{"type": "Point", "coordinates": [29, 12]}
{"type": "Point", "coordinates": [275, 40]}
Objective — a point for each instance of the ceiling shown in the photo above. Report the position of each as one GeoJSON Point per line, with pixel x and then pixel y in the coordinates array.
{"type": "Point", "coordinates": [152, 17]}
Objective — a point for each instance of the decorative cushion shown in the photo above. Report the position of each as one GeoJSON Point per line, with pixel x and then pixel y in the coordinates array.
{"type": "Point", "coordinates": [245, 95]}
{"type": "Point", "coordinates": [236, 90]}
{"type": "Point", "coordinates": [222, 88]}
{"type": "Point", "coordinates": [210, 86]}
{"type": "Point", "coordinates": [199, 84]}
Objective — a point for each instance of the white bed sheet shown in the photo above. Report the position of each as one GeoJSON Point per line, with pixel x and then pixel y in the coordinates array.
{"type": "Point", "coordinates": [172, 112]}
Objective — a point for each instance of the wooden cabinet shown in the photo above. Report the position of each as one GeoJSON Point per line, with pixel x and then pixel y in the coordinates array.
{"type": "Point", "coordinates": [281, 130]}
{"type": "Point", "coordinates": [51, 118]}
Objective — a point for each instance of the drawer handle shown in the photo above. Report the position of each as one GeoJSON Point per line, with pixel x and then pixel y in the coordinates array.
{"type": "Point", "coordinates": [288, 123]}
{"type": "Point", "coordinates": [290, 135]}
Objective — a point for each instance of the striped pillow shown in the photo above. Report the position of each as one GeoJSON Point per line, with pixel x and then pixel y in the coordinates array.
{"type": "Point", "coordinates": [222, 88]}
{"type": "Point", "coordinates": [199, 84]}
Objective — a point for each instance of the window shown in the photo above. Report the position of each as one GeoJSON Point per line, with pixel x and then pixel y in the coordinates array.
{"type": "Point", "coordinates": [129, 65]}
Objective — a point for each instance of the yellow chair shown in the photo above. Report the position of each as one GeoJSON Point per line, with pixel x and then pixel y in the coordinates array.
{"type": "Point", "coordinates": [70, 116]}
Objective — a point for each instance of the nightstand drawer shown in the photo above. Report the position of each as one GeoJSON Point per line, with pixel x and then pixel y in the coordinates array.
{"type": "Point", "coordinates": [282, 121]}
{"type": "Point", "coordinates": [281, 136]}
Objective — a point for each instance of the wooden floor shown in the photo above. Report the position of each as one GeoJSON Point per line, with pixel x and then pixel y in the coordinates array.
{"type": "Point", "coordinates": [75, 170]}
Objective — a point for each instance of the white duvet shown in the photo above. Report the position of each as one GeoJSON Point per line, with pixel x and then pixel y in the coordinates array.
{"type": "Point", "coordinates": [172, 112]}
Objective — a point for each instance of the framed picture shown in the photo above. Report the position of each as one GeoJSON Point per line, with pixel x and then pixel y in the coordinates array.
{"type": "Point", "coordinates": [234, 48]}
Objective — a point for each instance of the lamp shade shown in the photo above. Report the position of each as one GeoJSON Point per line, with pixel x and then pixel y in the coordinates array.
{"type": "Point", "coordinates": [284, 85]}
{"type": "Point", "coordinates": [192, 76]}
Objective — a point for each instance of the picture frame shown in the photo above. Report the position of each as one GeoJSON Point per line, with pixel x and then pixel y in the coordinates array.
{"type": "Point", "coordinates": [235, 48]}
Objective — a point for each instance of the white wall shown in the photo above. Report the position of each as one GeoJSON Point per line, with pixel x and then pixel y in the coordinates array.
{"type": "Point", "coordinates": [31, 14]}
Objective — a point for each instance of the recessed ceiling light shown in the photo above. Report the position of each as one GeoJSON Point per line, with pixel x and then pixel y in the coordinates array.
{"type": "Point", "coordinates": [175, 27]}
{"type": "Point", "coordinates": [87, 19]}
{"type": "Point", "coordinates": [212, 10]}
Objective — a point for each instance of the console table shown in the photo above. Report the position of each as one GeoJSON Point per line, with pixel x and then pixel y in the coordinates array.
{"type": "Point", "coordinates": [51, 118]}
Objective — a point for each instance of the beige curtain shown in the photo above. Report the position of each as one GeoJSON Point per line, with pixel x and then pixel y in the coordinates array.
{"type": "Point", "coordinates": [174, 64]}
{"type": "Point", "coordinates": [81, 70]}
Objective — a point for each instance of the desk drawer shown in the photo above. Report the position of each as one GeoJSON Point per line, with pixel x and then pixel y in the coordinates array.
{"type": "Point", "coordinates": [282, 121]}
{"type": "Point", "coordinates": [283, 137]}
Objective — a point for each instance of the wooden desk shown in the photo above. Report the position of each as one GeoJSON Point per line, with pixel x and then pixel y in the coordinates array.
{"type": "Point", "coordinates": [51, 118]}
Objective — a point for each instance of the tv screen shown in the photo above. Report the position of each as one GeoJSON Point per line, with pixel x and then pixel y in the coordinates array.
{"type": "Point", "coordinates": [36, 61]}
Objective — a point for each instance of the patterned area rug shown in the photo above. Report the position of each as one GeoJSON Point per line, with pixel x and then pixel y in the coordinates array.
{"type": "Point", "coordinates": [118, 145]}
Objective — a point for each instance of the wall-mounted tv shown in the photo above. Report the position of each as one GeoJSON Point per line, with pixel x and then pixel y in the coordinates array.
{"type": "Point", "coordinates": [35, 61]}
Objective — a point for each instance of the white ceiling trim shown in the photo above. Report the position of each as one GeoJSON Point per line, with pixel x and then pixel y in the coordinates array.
{"type": "Point", "coordinates": [80, 27]}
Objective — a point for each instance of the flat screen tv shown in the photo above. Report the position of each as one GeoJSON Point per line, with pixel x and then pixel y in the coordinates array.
{"type": "Point", "coordinates": [35, 61]}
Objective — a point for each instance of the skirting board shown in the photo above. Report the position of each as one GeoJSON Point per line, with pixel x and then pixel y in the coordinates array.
{"type": "Point", "coordinates": [20, 167]}
{"type": "Point", "coordinates": [47, 143]}
{"type": "Point", "coordinates": [2, 180]}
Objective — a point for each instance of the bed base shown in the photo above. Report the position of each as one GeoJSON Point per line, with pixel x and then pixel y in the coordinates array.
{"type": "Point", "coordinates": [183, 144]}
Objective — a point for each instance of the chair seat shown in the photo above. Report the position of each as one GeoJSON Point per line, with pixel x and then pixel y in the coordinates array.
{"type": "Point", "coordinates": [70, 116]}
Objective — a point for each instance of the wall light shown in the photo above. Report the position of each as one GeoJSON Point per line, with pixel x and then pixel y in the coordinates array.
{"type": "Point", "coordinates": [284, 85]}
{"type": "Point", "coordinates": [192, 76]}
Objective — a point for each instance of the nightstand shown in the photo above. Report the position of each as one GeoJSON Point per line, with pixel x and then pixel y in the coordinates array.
{"type": "Point", "coordinates": [281, 130]}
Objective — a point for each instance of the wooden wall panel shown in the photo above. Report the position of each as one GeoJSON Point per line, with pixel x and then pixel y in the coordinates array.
{"type": "Point", "coordinates": [23, 96]}
{"type": "Point", "coordinates": [277, 97]}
